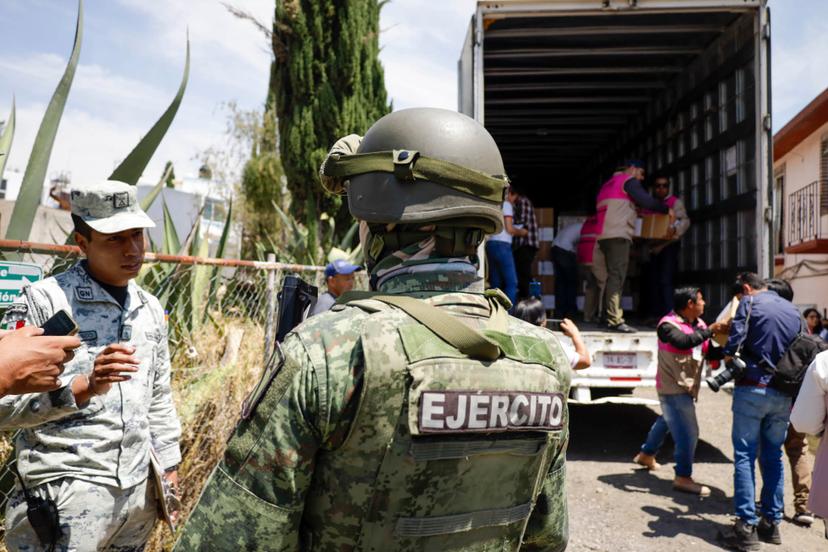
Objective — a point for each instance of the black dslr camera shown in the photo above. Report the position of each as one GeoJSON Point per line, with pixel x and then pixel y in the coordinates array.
{"type": "Point", "coordinates": [733, 369]}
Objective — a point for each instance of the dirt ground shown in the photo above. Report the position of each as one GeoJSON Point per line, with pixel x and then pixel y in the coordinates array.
{"type": "Point", "coordinates": [615, 507]}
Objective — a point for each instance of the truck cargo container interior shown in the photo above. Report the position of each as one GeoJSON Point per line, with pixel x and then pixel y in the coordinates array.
{"type": "Point", "coordinates": [568, 95]}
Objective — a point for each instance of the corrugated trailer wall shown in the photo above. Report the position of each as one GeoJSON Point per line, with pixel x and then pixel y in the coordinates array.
{"type": "Point", "coordinates": [702, 131]}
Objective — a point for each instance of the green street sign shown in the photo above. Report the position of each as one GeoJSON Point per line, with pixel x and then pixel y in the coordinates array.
{"type": "Point", "coordinates": [14, 277]}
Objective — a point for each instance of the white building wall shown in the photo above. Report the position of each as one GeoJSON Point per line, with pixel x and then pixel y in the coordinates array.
{"type": "Point", "coordinates": [808, 273]}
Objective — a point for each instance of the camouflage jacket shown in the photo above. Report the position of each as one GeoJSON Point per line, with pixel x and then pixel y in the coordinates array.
{"type": "Point", "coordinates": [258, 497]}
{"type": "Point", "coordinates": [106, 440]}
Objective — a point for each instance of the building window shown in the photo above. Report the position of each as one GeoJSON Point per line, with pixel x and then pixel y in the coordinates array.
{"type": "Point", "coordinates": [214, 210]}
{"type": "Point", "coordinates": [723, 101]}
{"type": "Point", "coordinates": [741, 89]}
{"type": "Point", "coordinates": [779, 211]}
{"type": "Point", "coordinates": [3, 187]}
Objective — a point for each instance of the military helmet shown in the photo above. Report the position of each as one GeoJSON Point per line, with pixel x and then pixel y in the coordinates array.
{"type": "Point", "coordinates": [424, 165]}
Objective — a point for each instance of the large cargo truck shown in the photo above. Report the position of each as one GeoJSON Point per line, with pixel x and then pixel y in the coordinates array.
{"type": "Point", "coordinates": [570, 88]}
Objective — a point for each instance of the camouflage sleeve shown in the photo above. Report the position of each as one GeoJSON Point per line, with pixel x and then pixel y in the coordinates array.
{"type": "Point", "coordinates": [34, 409]}
{"type": "Point", "coordinates": [548, 527]}
{"type": "Point", "coordinates": [255, 496]}
{"type": "Point", "coordinates": [165, 428]}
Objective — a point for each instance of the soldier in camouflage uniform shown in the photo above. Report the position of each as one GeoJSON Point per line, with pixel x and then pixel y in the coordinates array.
{"type": "Point", "coordinates": [422, 417]}
{"type": "Point", "coordinates": [87, 445]}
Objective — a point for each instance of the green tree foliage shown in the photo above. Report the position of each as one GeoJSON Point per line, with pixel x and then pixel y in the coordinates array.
{"type": "Point", "coordinates": [326, 82]}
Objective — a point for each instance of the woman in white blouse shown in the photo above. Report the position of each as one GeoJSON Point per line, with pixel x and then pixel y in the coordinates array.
{"type": "Point", "coordinates": [810, 415]}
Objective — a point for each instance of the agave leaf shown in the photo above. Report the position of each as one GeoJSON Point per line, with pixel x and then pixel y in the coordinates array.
{"type": "Point", "coordinates": [25, 208]}
{"type": "Point", "coordinates": [171, 245]}
{"type": "Point", "coordinates": [6, 140]}
{"type": "Point", "coordinates": [348, 241]}
{"type": "Point", "coordinates": [146, 203]}
{"type": "Point", "coordinates": [199, 285]}
{"type": "Point", "coordinates": [133, 166]}
{"type": "Point", "coordinates": [215, 273]}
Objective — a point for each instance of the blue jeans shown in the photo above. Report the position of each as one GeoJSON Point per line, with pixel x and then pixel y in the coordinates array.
{"type": "Point", "coordinates": [760, 424]}
{"type": "Point", "coordinates": [679, 418]}
{"type": "Point", "coordinates": [502, 272]}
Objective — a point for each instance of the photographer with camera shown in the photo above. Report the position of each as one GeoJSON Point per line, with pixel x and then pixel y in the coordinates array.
{"type": "Point", "coordinates": [763, 328]}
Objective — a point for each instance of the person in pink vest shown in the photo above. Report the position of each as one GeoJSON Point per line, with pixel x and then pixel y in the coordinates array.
{"type": "Point", "coordinates": [661, 269]}
{"type": "Point", "coordinates": [592, 267]}
{"type": "Point", "coordinates": [616, 210]}
{"type": "Point", "coordinates": [683, 339]}
{"type": "Point", "coordinates": [810, 415]}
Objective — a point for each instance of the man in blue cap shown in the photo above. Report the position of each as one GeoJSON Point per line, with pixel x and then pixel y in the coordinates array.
{"type": "Point", "coordinates": [339, 275]}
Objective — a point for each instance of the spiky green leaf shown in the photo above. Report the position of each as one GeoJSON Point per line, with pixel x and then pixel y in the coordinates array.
{"type": "Point", "coordinates": [146, 203]}
{"type": "Point", "coordinates": [131, 168]}
{"type": "Point", "coordinates": [25, 207]}
{"type": "Point", "coordinates": [172, 245]}
{"type": "Point", "coordinates": [6, 140]}
{"type": "Point", "coordinates": [222, 244]}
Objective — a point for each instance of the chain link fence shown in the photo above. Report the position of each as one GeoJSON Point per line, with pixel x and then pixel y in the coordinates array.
{"type": "Point", "coordinates": [221, 316]}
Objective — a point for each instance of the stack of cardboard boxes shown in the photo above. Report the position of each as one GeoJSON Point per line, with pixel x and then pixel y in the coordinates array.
{"type": "Point", "coordinates": [542, 270]}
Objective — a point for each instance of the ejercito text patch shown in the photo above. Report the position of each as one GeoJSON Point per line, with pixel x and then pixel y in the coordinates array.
{"type": "Point", "coordinates": [489, 411]}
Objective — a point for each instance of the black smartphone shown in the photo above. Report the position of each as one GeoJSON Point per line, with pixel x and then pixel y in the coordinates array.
{"type": "Point", "coordinates": [60, 324]}
{"type": "Point", "coordinates": [554, 324]}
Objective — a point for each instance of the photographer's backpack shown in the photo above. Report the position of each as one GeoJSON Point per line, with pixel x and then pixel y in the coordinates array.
{"type": "Point", "coordinates": [789, 371]}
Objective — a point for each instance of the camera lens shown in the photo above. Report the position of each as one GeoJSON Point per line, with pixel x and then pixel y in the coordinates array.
{"type": "Point", "coordinates": [715, 382]}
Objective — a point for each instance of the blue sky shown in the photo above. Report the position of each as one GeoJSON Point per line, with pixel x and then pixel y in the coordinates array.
{"type": "Point", "coordinates": [133, 55]}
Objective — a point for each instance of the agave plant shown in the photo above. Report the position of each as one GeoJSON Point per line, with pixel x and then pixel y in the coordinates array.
{"type": "Point", "coordinates": [6, 138]}
{"type": "Point", "coordinates": [130, 169]}
{"type": "Point", "coordinates": [25, 207]}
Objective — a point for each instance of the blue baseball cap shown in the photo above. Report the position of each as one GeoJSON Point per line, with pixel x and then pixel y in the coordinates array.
{"type": "Point", "coordinates": [340, 266]}
{"type": "Point", "coordinates": [637, 163]}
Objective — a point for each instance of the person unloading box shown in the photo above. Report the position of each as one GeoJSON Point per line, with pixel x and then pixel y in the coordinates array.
{"type": "Point", "coordinates": [616, 210]}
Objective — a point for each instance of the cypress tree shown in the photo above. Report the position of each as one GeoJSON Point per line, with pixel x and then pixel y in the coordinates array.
{"type": "Point", "coordinates": [326, 82]}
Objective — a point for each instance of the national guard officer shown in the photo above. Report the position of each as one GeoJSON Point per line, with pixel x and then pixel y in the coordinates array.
{"type": "Point", "coordinates": [86, 447]}
{"type": "Point", "coordinates": [417, 417]}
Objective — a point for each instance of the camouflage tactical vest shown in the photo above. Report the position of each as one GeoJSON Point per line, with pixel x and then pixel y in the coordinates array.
{"type": "Point", "coordinates": [445, 452]}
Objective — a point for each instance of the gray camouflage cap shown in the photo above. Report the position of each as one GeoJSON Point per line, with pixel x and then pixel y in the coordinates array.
{"type": "Point", "coordinates": [109, 207]}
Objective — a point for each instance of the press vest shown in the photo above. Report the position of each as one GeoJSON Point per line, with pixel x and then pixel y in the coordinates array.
{"type": "Point", "coordinates": [615, 210]}
{"type": "Point", "coordinates": [445, 452]}
{"type": "Point", "coordinates": [588, 241]}
{"type": "Point", "coordinates": [679, 370]}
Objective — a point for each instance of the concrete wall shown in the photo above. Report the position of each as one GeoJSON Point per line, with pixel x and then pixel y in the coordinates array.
{"type": "Point", "coordinates": [50, 225]}
{"type": "Point", "coordinates": [808, 274]}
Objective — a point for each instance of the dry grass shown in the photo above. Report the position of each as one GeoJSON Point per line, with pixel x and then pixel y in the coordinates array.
{"type": "Point", "coordinates": [208, 397]}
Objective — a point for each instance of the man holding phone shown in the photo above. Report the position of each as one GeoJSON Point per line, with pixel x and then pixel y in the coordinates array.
{"type": "Point", "coordinates": [31, 362]}
{"type": "Point", "coordinates": [93, 460]}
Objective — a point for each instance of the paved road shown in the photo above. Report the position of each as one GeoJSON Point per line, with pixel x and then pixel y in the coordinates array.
{"type": "Point", "coordinates": [615, 507]}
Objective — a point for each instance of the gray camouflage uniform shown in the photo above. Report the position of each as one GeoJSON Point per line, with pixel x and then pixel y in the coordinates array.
{"type": "Point", "coordinates": [98, 453]}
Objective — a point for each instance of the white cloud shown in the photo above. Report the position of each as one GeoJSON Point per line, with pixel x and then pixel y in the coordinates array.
{"type": "Point", "coordinates": [89, 146]}
{"type": "Point", "coordinates": [92, 83]}
{"type": "Point", "coordinates": [420, 49]}
{"type": "Point", "coordinates": [221, 42]}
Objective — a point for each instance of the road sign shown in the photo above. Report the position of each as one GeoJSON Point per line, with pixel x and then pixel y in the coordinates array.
{"type": "Point", "coordinates": [14, 277]}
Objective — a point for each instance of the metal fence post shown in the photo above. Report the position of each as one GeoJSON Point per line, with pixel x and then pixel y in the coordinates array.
{"type": "Point", "coordinates": [270, 320]}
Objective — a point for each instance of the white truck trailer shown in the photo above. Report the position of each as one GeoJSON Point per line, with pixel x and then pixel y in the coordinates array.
{"type": "Point", "coordinates": [569, 88]}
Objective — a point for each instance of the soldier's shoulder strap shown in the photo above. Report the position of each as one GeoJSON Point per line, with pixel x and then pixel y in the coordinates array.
{"type": "Point", "coordinates": [467, 340]}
